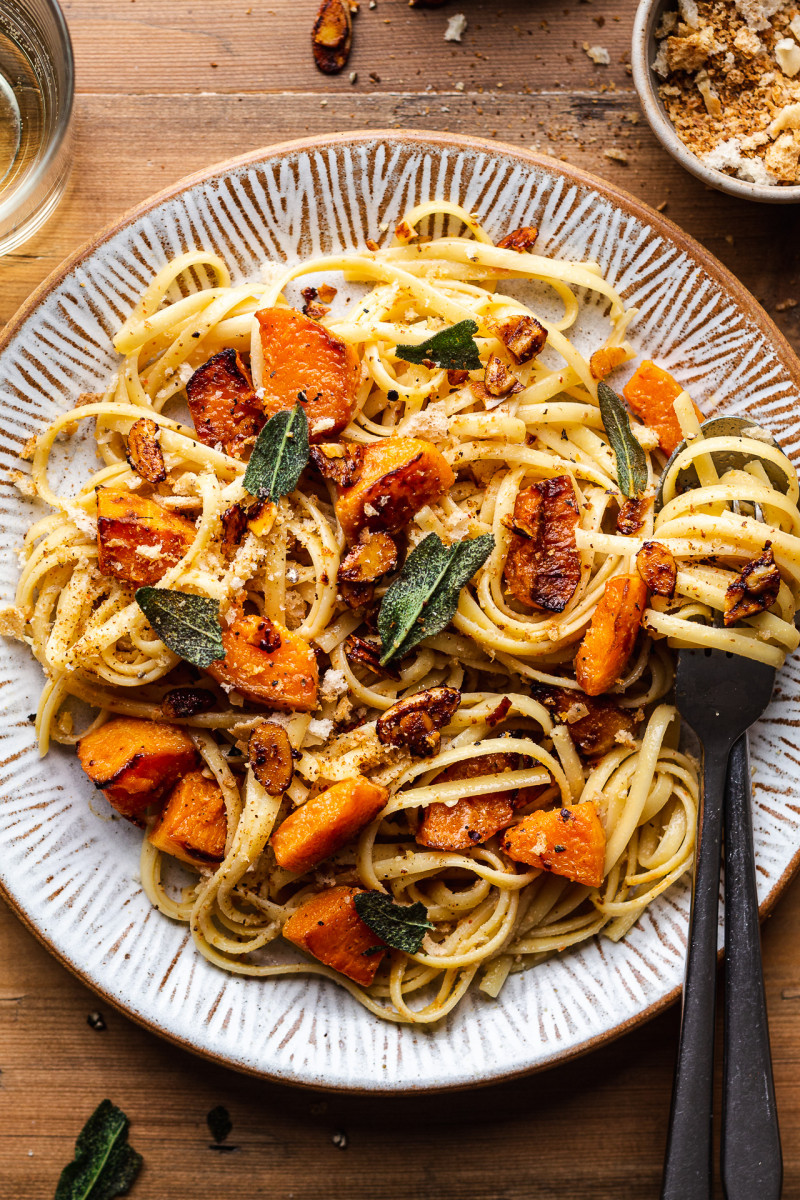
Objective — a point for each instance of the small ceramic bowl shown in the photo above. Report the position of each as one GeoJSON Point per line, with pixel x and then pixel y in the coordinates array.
{"type": "Point", "coordinates": [644, 50]}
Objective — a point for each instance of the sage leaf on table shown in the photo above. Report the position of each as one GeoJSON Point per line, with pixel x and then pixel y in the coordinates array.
{"type": "Point", "coordinates": [454, 348]}
{"type": "Point", "coordinates": [402, 926]}
{"type": "Point", "coordinates": [425, 594]}
{"type": "Point", "coordinates": [631, 458]}
{"type": "Point", "coordinates": [219, 1123]}
{"type": "Point", "coordinates": [187, 623]}
{"type": "Point", "coordinates": [105, 1165]}
{"type": "Point", "coordinates": [279, 455]}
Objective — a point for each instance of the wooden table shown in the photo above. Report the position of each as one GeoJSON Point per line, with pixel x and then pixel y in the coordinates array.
{"type": "Point", "coordinates": [168, 88]}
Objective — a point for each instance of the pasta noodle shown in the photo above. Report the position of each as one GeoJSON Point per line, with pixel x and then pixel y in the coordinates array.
{"type": "Point", "coordinates": [489, 914]}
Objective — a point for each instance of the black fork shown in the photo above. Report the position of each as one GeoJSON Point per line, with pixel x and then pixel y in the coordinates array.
{"type": "Point", "coordinates": [720, 696]}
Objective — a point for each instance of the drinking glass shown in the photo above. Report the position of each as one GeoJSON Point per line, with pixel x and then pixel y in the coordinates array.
{"type": "Point", "coordinates": [36, 88]}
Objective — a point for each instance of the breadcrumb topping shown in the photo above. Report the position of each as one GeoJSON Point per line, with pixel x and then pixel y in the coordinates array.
{"type": "Point", "coordinates": [731, 85]}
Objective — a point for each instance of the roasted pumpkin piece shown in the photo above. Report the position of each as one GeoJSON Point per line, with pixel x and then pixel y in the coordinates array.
{"type": "Point", "coordinates": [596, 724]}
{"type": "Point", "coordinates": [567, 841]}
{"type": "Point", "coordinates": [608, 642]}
{"type": "Point", "coordinates": [755, 589]}
{"type": "Point", "coordinates": [271, 757]}
{"type": "Point", "coordinates": [144, 451]}
{"type": "Point", "coordinates": [224, 407]}
{"type": "Point", "coordinates": [328, 927]}
{"type": "Point", "coordinates": [399, 476]}
{"type": "Point", "coordinates": [138, 540]}
{"type": "Point", "coordinates": [606, 360]}
{"type": "Point", "coordinates": [415, 721]}
{"type": "Point", "coordinates": [268, 664]}
{"type": "Point", "coordinates": [135, 762]}
{"type": "Point", "coordinates": [657, 568]}
{"type": "Point", "coordinates": [542, 568]}
{"type": "Point", "coordinates": [473, 819]}
{"type": "Point", "coordinates": [651, 392]}
{"type": "Point", "coordinates": [294, 357]}
{"type": "Point", "coordinates": [327, 822]}
{"type": "Point", "coordinates": [193, 824]}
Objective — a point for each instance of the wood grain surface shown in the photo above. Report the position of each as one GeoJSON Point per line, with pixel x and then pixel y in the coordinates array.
{"type": "Point", "coordinates": [164, 89]}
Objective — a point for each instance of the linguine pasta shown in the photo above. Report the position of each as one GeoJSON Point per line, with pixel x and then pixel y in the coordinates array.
{"type": "Point", "coordinates": [489, 914]}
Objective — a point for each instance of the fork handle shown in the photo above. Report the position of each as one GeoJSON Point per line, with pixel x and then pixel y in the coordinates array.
{"type": "Point", "coordinates": [688, 1163]}
{"type": "Point", "coordinates": [752, 1166]}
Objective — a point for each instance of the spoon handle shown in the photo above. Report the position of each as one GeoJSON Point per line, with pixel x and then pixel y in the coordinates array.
{"type": "Point", "coordinates": [751, 1146]}
{"type": "Point", "coordinates": [687, 1165]}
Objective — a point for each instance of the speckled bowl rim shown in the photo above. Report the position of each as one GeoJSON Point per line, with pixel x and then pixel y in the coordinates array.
{"type": "Point", "coordinates": [421, 138]}
{"type": "Point", "coordinates": [643, 50]}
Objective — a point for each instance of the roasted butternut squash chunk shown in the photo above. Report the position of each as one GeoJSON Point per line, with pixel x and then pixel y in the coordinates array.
{"type": "Point", "coordinates": [473, 819]}
{"type": "Point", "coordinates": [542, 568]}
{"type": "Point", "coordinates": [596, 725]}
{"type": "Point", "coordinates": [268, 664]}
{"type": "Point", "coordinates": [651, 392]}
{"type": "Point", "coordinates": [138, 540]}
{"type": "Point", "coordinates": [566, 841]}
{"type": "Point", "coordinates": [324, 824]}
{"type": "Point", "coordinates": [135, 762]}
{"type": "Point", "coordinates": [608, 642]}
{"type": "Point", "coordinates": [399, 476]}
{"type": "Point", "coordinates": [193, 824]}
{"type": "Point", "coordinates": [328, 927]}
{"type": "Point", "coordinates": [606, 360]}
{"type": "Point", "coordinates": [294, 357]}
{"type": "Point", "coordinates": [224, 406]}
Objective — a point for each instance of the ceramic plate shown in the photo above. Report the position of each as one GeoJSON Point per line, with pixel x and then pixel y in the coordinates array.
{"type": "Point", "coordinates": [71, 873]}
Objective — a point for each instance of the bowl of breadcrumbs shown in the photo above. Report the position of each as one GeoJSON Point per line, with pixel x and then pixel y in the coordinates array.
{"type": "Point", "coordinates": [719, 81]}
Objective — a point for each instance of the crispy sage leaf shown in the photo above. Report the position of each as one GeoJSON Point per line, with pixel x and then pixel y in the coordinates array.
{"type": "Point", "coordinates": [402, 926]}
{"type": "Point", "coordinates": [187, 623]}
{"type": "Point", "coordinates": [454, 348]}
{"type": "Point", "coordinates": [105, 1165]}
{"type": "Point", "coordinates": [219, 1123]}
{"type": "Point", "coordinates": [424, 596]}
{"type": "Point", "coordinates": [631, 458]}
{"type": "Point", "coordinates": [279, 455]}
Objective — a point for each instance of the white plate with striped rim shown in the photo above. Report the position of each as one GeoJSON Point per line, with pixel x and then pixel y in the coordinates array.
{"type": "Point", "coordinates": [71, 873]}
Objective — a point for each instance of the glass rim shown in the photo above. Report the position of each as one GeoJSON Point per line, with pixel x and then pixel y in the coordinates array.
{"type": "Point", "coordinates": [19, 196]}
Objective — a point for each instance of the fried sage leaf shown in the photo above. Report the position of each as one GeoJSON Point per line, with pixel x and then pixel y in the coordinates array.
{"type": "Point", "coordinates": [424, 596]}
{"type": "Point", "coordinates": [631, 458]}
{"type": "Point", "coordinates": [105, 1165]}
{"type": "Point", "coordinates": [454, 348]}
{"type": "Point", "coordinates": [402, 926]}
{"type": "Point", "coordinates": [187, 623]}
{"type": "Point", "coordinates": [279, 455]}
